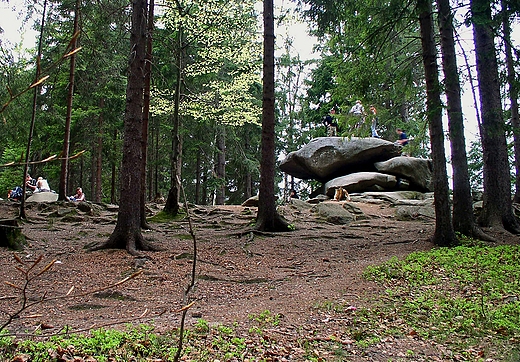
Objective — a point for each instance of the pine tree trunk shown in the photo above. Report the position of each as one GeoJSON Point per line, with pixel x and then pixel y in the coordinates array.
{"type": "Point", "coordinates": [444, 234]}
{"type": "Point", "coordinates": [221, 165]}
{"type": "Point", "coordinates": [98, 181]}
{"type": "Point", "coordinates": [146, 112]}
{"type": "Point", "coordinates": [198, 170]}
{"type": "Point", "coordinates": [463, 220]}
{"type": "Point", "coordinates": [172, 202]}
{"type": "Point", "coordinates": [267, 218]}
{"type": "Point", "coordinates": [248, 176]}
{"type": "Point", "coordinates": [62, 193]}
{"type": "Point", "coordinates": [34, 108]}
{"type": "Point", "coordinates": [497, 209]}
{"type": "Point", "coordinates": [513, 96]}
{"type": "Point", "coordinates": [156, 159]}
{"type": "Point", "coordinates": [127, 233]}
{"type": "Point", "coordinates": [113, 177]}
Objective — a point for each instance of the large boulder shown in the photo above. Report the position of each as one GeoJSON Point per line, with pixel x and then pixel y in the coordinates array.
{"type": "Point", "coordinates": [43, 197]}
{"type": "Point", "coordinates": [361, 181]}
{"type": "Point", "coordinates": [325, 158]}
{"type": "Point", "coordinates": [417, 170]}
{"type": "Point", "coordinates": [333, 212]}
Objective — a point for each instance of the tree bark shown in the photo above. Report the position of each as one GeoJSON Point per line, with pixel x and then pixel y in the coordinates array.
{"type": "Point", "coordinates": [198, 170]}
{"type": "Point", "coordinates": [248, 179]}
{"type": "Point", "coordinates": [97, 181]}
{"type": "Point", "coordinates": [172, 202]}
{"type": "Point", "coordinates": [146, 111]}
{"type": "Point", "coordinates": [513, 95]}
{"type": "Point", "coordinates": [444, 234]}
{"type": "Point", "coordinates": [463, 220]}
{"type": "Point", "coordinates": [62, 191]}
{"type": "Point", "coordinates": [127, 233]}
{"type": "Point", "coordinates": [268, 218]}
{"type": "Point", "coordinates": [113, 172]}
{"type": "Point", "coordinates": [37, 89]}
{"type": "Point", "coordinates": [220, 168]}
{"type": "Point", "coordinates": [497, 209]}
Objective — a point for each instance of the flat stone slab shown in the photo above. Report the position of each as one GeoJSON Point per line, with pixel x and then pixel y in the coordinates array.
{"type": "Point", "coordinates": [43, 197]}
{"type": "Point", "coordinates": [325, 158]}
{"type": "Point", "coordinates": [360, 181]}
{"type": "Point", "coordinates": [416, 170]}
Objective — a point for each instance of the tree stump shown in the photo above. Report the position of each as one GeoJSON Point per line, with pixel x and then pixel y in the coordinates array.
{"type": "Point", "coordinates": [11, 235]}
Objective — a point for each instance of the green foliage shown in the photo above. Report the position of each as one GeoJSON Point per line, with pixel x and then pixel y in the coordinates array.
{"type": "Point", "coordinates": [99, 90]}
{"type": "Point", "coordinates": [266, 319]}
{"type": "Point", "coordinates": [370, 51]}
{"type": "Point", "coordinates": [455, 296]}
{"type": "Point", "coordinates": [135, 342]}
{"type": "Point", "coordinates": [475, 166]}
{"type": "Point", "coordinates": [205, 343]}
{"type": "Point", "coordinates": [11, 177]}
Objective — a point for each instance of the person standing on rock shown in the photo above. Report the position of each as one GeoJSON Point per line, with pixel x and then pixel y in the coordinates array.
{"type": "Point", "coordinates": [373, 125]}
{"type": "Point", "coordinates": [358, 110]}
{"type": "Point", "coordinates": [330, 123]}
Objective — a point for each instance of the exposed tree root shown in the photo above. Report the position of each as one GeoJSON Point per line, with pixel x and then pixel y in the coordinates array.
{"type": "Point", "coordinates": [478, 233]}
{"type": "Point", "coordinates": [132, 241]}
{"type": "Point", "coordinates": [278, 224]}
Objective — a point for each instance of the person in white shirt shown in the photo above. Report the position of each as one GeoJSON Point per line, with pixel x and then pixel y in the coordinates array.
{"type": "Point", "coordinates": [359, 111]}
{"type": "Point", "coordinates": [80, 196]}
{"type": "Point", "coordinates": [42, 185]}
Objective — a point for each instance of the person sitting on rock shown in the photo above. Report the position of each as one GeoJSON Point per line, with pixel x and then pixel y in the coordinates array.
{"type": "Point", "coordinates": [15, 194]}
{"type": "Point", "coordinates": [42, 185]}
{"type": "Point", "coordinates": [79, 196]}
{"type": "Point", "coordinates": [30, 183]}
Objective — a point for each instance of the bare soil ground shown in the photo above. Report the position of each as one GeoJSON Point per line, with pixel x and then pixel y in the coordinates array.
{"type": "Point", "coordinates": [238, 275]}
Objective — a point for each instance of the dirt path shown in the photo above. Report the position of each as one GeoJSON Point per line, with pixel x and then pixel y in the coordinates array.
{"type": "Point", "coordinates": [289, 274]}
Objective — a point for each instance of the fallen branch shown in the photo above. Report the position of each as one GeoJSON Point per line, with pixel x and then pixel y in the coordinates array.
{"type": "Point", "coordinates": [48, 159]}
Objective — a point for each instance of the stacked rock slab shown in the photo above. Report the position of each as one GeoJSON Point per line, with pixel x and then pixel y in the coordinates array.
{"type": "Point", "coordinates": [358, 165]}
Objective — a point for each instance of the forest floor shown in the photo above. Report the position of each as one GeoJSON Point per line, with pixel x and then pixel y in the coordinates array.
{"type": "Point", "coordinates": [293, 275]}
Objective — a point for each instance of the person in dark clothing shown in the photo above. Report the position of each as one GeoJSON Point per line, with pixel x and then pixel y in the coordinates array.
{"type": "Point", "coordinates": [330, 123]}
{"type": "Point", "coordinates": [30, 183]}
{"type": "Point", "coordinates": [403, 138]}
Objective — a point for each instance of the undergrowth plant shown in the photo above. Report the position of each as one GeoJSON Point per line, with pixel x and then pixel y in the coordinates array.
{"type": "Point", "coordinates": [459, 296]}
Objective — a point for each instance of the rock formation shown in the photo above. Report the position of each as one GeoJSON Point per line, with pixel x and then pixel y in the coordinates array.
{"type": "Point", "coordinates": [358, 165]}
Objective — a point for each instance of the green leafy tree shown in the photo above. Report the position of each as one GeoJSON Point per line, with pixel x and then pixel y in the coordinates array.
{"type": "Point", "coordinates": [370, 51]}
{"type": "Point", "coordinates": [292, 127]}
{"type": "Point", "coordinates": [218, 72]}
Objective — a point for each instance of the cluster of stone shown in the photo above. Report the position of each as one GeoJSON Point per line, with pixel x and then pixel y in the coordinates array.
{"type": "Point", "coordinates": [358, 165]}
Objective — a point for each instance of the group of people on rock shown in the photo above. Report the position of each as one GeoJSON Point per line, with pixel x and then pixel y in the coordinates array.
{"type": "Point", "coordinates": [358, 110]}
{"type": "Point", "coordinates": [39, 185]}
